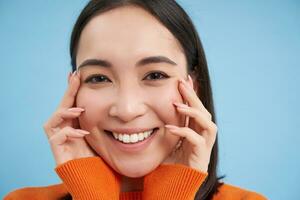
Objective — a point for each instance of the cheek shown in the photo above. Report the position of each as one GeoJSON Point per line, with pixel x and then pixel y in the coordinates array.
{"type": "Point", "coordinates": [162, 104]}
{"type": "Point", "coordinates": [94, 102]}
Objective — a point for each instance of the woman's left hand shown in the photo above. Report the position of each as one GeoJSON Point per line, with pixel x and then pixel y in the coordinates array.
{"type": "Point", "coordinates": [198, 137]}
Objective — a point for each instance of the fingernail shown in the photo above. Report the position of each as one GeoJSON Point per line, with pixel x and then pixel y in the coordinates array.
{"type": "Point", "coordinates": [191, 82]}
{"type": "Point", "coordinates": [71, 78]}
{"type": "Point", "coordinates": [76, 109]}
{"type": "Point", "coordinates": [181, 81]}
{"type": "Point", "coordinates": [184, 83]}
{"type": "Point", "coordinates": [82, 131]}
{"type": "Point", "coordinates": [74, 73]}
{"type": "Point", "coordinates": [181, 105]}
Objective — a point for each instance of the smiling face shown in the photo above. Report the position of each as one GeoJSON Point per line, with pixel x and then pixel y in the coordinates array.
{"type": "Point", "coordinates": [130, 88]}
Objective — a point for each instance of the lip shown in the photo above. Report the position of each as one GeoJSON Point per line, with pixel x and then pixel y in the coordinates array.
{"type": "Point", "coordinates": [136, 147]}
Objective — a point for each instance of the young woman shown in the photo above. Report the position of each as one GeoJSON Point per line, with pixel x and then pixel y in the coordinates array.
{"type": "Point", "coordinates": [137, 120]}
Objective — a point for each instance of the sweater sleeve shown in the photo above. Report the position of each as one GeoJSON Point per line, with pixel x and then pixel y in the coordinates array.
{"type": "Point", "coordinates": [173, 182]}
{"type": "Point", "coordinates": [89, 178]}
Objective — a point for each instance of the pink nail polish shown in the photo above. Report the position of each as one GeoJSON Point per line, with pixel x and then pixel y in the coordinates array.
{"type": "Point", "coordinates": [182, 82]}
{"type": "Point", "coordinates": [187, 83]}
{"type": "Point", "coordinates": [76, 109]}
{"type": "Point", "coordinates": [69, 77]}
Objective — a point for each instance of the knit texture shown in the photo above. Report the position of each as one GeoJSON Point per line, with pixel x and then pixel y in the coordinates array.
{"type": "Point", "coordinates": [91, 178]}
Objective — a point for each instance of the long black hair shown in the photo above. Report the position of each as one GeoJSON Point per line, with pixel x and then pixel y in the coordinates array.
{"type": "Point", "coordinates": [176, 20]}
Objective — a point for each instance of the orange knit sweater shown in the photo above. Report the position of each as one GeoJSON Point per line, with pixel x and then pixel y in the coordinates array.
{"type": "Point", "coordinates": [90, 178]}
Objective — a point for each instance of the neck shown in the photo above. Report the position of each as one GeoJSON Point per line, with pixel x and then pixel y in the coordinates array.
{"type": "Point", "coordinates": [132, 184]}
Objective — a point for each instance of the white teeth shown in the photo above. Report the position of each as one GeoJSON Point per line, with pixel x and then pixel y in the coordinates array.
{"type": "Point", "coordinates": [147, 133]}
{"type": "Point", "coordinates": [126, 138]}
{"type": "Point", "coordinates": [115, 135]}
{"type": "Point", "coordinates": [120, 137]}
{"type": "Point", "coordinates": [133, 138]}
{"type": "Point", "coordinates": [141, 136]}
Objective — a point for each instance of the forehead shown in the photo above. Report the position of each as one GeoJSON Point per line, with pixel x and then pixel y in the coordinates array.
{"type": "Point", "coordinates": [127, 33]}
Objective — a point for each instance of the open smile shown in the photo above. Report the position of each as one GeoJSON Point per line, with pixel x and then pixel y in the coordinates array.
{"type": "Point", "coordinates": [134, 141]}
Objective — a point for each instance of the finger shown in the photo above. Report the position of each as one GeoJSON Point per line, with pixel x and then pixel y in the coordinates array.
{"type": "Point", "coordinates": [199, 117]}
{"type": "Point", "coordinates": [69, 96]}
{"type": "Point", "coordinates": [191, 97]}
{"type": "Point", "coordinates": [67, 132]}
{"type": "Point", "coordinates": [210, 128]}
{"type": "Point", "coordinates": [61, 115]}
{"type": "Point", "coordinates": [191, 136]}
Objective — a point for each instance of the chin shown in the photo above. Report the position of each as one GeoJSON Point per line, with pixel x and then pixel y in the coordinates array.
{"type": "Point", "coordinates": [136, 170]}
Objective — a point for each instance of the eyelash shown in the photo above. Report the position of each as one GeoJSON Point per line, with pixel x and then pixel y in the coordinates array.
{"type": "Point", "coordinates": [103, 77]}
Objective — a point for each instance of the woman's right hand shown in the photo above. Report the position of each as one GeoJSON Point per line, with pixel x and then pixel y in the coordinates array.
{"type": "Point", "coordinates": [62, 129]}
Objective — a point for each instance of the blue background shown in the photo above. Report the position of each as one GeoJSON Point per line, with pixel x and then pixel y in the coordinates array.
{"type": "Point", "coordinates": [253, 50]}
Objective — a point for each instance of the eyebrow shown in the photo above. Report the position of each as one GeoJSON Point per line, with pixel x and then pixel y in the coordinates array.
{"type": "Point", "coordinates": [142, 62]}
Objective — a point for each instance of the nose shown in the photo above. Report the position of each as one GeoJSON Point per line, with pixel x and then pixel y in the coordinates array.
{"type": "Point", "coordinates": [128, 105]}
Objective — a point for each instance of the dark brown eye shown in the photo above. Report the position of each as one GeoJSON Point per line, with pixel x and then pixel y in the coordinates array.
{"type": "Point", "coordinates": [96, 79]}
{"type": "Point", "coordinates": [156, 76]}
